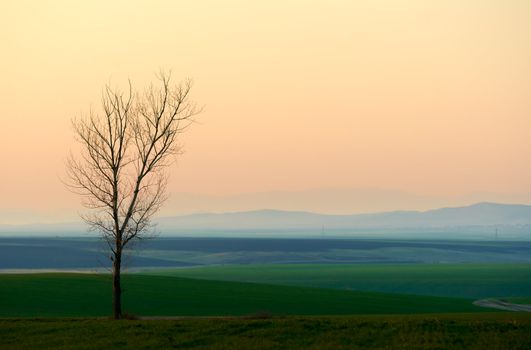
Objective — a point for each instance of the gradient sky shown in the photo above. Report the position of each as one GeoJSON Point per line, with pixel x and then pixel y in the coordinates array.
{"type": "Point", "coordinates": [427, 97]}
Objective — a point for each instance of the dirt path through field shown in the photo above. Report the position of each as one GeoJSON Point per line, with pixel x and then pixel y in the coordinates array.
{"type": "Point", "coordinates": [502, 305]}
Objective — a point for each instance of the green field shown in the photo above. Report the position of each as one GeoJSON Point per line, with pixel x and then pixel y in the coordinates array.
{"type": "Point", "coordinates": [271, 314]}
{"type": "Point", "coordinates": [455, 331]}
{"type": "Point", "coordinates": [520, 300]}
{"type": "Point", "coordinates": [67, 295]}
{"type": "Point", "coordinates": [457, 280]}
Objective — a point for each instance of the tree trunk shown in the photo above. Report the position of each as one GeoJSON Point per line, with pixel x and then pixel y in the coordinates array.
{"type": "Point", "coordinates": [116, 287]}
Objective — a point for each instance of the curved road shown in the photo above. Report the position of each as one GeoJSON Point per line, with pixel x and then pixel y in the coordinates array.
{"type": "Point", "coordinates": [502, 305]}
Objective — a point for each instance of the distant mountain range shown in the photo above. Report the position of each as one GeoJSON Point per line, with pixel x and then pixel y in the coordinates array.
{"type": "Point", "coordinates": [481, 214]}
{"type": "Point", "coordinates": [333, 201]}
{"type": "Point", "coordinates": [344, 201]}
{"type": "Point", "coordinates": [477, 215]}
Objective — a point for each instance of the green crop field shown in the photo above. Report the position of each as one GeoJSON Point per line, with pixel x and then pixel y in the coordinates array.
{"type": "Point", "coordinates": [452, 331]}
{"type": "Point", "coordinates": [520, 300]}
{"type": "Point", "coordinates": [33, 308]}
{"type": "Point", "coordinates": [50, 295]}
{"type": "Point", "coordinates": [457, 280]}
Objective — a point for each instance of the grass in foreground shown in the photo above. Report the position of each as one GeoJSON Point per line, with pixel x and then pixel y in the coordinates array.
{"type": "Point", "coordinates": [457, 280]}
{"type": "Point", "coordinates": [71, 295]}
{"type": "Point", "coordinates": [454, 331]}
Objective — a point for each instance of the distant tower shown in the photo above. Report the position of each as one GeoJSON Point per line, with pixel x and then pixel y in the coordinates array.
{"type": "Point", "coordinates": [496, 234]}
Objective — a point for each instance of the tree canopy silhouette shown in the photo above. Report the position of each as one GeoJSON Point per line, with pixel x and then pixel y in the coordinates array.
{"type": "Point", "coordinates": [121, 170]}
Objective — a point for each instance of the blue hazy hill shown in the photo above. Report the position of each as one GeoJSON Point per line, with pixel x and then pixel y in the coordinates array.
{"type": "Point", "coordinates": [514, 220]}
{"type": "Point", "coordinates": [481, 214]}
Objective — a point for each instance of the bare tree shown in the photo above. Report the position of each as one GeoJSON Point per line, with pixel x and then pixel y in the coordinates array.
{"type": "Point", "coordinates": [121, 170]}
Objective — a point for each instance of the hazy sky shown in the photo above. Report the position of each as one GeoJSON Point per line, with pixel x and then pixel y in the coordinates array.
{"type": "Point", "coordinates": [428, 97]}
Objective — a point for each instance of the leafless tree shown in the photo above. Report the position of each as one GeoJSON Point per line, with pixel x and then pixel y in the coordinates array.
{"type": "Point", "coordinates": [121, 170]}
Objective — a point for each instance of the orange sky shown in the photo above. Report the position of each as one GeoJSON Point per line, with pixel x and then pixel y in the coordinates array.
{"type": "Point", "coordinates": [428, 97]}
